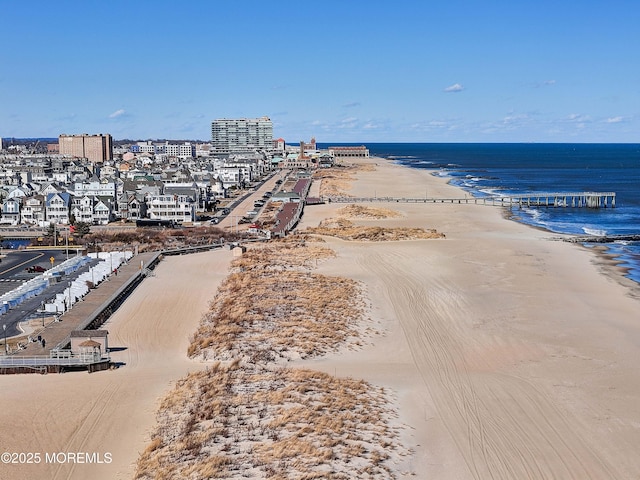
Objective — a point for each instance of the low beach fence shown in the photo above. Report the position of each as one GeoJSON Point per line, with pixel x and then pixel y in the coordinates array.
{"type": "Point", "coordinates": [556, 199]}
{"type": "Point", "coordinates": [56, 362]}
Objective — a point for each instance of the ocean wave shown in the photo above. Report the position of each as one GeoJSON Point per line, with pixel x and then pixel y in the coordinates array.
{"type": "Point", "coordinates": [492, 192]}
{"type": "Point", "coordinates": [597, 232]}
{"type": "Point", "coordinates": [534, 213]}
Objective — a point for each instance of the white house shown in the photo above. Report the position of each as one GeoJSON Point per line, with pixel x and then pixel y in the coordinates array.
{"type": "Point", "coordinates": [179, 208]}
{"type": "Point", "coordinates": [11, 211]}
{"type": "Point", "coordinates": [33, 210]}
{"type": "Point", "coordinates": [58, 207]}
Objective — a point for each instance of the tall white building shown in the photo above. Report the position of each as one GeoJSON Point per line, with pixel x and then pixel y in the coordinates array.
{"type": "Point", "coordinates": [241, 135]}
{"type": "Point", "coordinates": [185, 150]}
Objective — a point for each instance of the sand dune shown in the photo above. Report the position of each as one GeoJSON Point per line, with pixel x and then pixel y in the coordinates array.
{"type": "Point", "coordinates": [510, 355]}
{"type": "Point", "coordinates": [112, 412]}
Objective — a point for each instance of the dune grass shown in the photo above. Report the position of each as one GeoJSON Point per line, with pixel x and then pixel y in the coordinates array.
{"type": "Point", "coordinates": [337, 180]}
{"type": "Point", "coordinates": [247, 415]}
{"type": "Point", "coordinates": [257, 421]}
{"type": "Point", "coordinates": [347, 230]}
{"type": "Point", "coordinates": [366, 212]}
{"type": "Point", "coordinates": [272, 307]}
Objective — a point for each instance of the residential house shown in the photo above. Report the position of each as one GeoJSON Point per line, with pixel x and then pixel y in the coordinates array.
{"type": "Point", "coordinates": [103, 210]}
{"type": "Point", "coordinates": [58, 207]}
{"type": "Point", "coordinates": [131, 206]}
{"type": "Point", "coordinates": [178, 208]}
{"type": "Point", "coordinates": [92, 209]}
{"type": "Point", "coordinates": [187, 189]}
{"type": "Point", "coordinates": [49, 188]}
{"type": "Point", "coordinates": [11, 211]}
{"type": "Point", "coordinates": [19, 192]}
{"type": "Point", "coordinates": [33, 210]}
{"type": "Point", "coordinates": [96, 187]}
{"type": "Point", "coordinates": [232, 177]}
{"type": "Point", "coordinates": [82, 208]}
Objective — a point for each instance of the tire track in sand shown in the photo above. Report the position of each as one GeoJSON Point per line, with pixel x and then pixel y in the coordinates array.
{"type": "Point", "coordinates": [86, 429]}
{"type": "Point", "coordinates": [504, 426]}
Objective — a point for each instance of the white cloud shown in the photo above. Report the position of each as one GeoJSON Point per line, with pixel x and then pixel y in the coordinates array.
{"type": "Point", "coordinates": [351, 104]}
{"type": "Point", "coordinates": [117, 113]}
{"type": "Point", "coordinates": [515, 118]}
{"type": "Point", "coordinates": [578, 117]}
{"type": "Point", "coordinates": [456, 87]}
{"type": "Point", "coordinates": [615, 119]}
{"type": "Point", "coordinates": [549, 82]}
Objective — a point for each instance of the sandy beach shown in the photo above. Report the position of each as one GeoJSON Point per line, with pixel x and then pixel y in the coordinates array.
{"type": "Point", "coordinates": [112, 412]}
{"type": "Point", "coordinates": [508, 355]}
{"type": "Point", "coordinates": [512, 355]}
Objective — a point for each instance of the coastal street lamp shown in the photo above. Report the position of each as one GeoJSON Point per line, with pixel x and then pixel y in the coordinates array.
{"type": "Point", "coordinates": [42, 309]}
{"type": "Point", "coordinates": [6, 348]}
{"type": "Point", "coordinates": [69, 285]}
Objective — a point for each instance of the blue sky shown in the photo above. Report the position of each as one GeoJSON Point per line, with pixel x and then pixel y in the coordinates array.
{"type": "Point", "coordinates": [342, 71]}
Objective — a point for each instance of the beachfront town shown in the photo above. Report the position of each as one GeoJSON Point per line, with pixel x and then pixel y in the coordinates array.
{"type": "Point", "coordinates": [91, 178]}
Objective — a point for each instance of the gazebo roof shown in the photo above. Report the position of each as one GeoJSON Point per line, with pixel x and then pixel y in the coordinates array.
{"type": "Point", "coordinates": [90, 343]}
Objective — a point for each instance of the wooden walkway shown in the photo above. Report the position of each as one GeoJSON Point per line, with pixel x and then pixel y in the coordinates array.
{"type": "Point", "coordinates": [95, 305]}
{"type": "Point", "coordinates": [556, 199]}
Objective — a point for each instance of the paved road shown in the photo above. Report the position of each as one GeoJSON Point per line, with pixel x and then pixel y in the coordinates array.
{"type": "Point", "coordinates": [13, 274]}
{"type": "Point", "coordinates": [230, 222]}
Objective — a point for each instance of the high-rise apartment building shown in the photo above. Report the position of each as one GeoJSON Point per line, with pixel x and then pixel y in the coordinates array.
{"type": "Point", "coordinates": [241, 135]}
{"type": "Point", "coordinates": [95, 148]}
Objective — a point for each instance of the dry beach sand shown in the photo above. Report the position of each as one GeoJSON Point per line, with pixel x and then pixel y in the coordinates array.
{"type": "Point", "coordinates": [506, 354]}
{"type": "Point", "coordinates": [112, 412]}
{"type": "Point", "coordinates": [512, 355]}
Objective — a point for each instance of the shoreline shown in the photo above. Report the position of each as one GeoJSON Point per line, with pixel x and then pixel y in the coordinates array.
{"type": "Point", "coordinates": [610, 263]}
{"type": "Point", "coordinates": [505, 354]}
{"type": "Point", "coordinates": [515, 313]}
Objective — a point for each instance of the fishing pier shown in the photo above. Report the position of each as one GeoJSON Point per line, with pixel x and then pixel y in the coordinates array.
{"type": "Point", "coordinates": [556, 199]}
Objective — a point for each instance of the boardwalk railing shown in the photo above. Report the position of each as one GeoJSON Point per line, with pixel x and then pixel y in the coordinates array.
{"type": "Point", "coordinates": [543, 199]}
{"type": "Point", "coordinates": [57, 357]}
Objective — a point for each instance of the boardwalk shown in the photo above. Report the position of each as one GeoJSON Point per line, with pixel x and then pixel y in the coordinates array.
{"type": "Point", "coordinates": [90, 308]}
{"type": "Point", "coordinates": [290, 213]}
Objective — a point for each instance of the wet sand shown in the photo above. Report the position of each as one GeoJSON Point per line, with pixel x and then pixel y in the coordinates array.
{"type": "Point", "coordinates": [508, 355]}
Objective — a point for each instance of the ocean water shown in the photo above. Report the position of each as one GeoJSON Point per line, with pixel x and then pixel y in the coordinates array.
{"type": "Point", "coordinates": [500, 169]}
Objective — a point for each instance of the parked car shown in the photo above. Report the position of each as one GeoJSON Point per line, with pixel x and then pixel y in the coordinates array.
{"type": "Point", "coordinates": [214, 221]}
{"type": "Point", "coordinates": [36, 269]}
